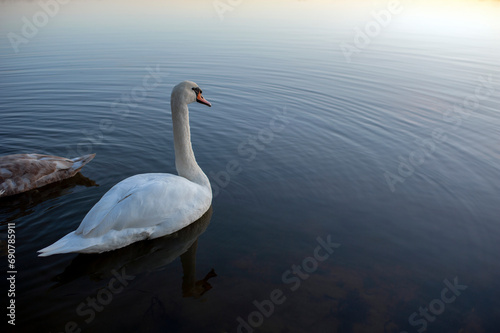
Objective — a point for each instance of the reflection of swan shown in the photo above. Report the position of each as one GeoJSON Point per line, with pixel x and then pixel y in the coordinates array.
{"type": "Point", "coordinates": [16, 206]}
{"type": "Point", "coordinates": [191, 287]}
{"type": "Point", "coordinates": [148, 205]}
{"type": "Point", "coordinates": [23, 172]}
{"type": "Point", "coordinates": [156, 318]}
{"type": "Point", "coordinates": [140, 257]}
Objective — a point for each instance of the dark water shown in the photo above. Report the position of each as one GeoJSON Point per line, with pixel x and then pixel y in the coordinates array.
{"type": "Point", "coordinates": [393, 156]}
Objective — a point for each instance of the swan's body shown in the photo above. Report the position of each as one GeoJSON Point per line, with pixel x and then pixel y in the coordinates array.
{"type": "Point", "coordinates": [23, 172]}
{"type": "Point", "coordinates": [147, 205]}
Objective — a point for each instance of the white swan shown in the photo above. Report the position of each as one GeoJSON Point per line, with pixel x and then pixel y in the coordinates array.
{"type": "Point", "coordinates": [147, 205]}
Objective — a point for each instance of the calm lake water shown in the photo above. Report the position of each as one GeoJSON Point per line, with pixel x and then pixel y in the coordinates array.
{"type": "Point", "coordinates": [384, 142]}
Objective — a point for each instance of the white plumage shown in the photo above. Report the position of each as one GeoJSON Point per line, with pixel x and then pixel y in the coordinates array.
{"type": "Point", "coordinates": [147, 205]}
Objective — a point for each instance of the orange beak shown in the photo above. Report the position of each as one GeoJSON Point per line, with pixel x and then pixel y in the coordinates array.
{"type": "Point", "coordinates": [202, 100]}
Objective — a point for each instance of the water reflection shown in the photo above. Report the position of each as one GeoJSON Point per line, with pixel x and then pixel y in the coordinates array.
{"type": "Point", "coordinates": [146, 256]}
{"type": "Point", "coordinates": [156, 318]}
{"type": "Point", "coordinates": [14, 207]}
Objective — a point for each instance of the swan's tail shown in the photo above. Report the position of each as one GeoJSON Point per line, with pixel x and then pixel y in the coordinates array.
{"type": "Point", "coordinates": [112, 240]}
{"type": "Point", "coordinates": [79, 162]}
{"type": "Point", "coordinates": [67, 244]}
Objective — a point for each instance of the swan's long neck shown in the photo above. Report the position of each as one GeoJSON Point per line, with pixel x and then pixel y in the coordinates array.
{"type": "Point", "coordinates": [185, 161]}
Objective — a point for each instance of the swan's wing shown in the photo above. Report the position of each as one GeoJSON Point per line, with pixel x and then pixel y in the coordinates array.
{"type": "Point", "coordinates": [147, 201]}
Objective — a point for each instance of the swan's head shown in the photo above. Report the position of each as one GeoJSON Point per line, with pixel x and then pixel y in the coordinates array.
{"type": "Point", "coordinates": [189, 92]}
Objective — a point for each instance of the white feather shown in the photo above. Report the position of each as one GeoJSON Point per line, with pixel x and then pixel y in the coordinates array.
{"type": "Point", "coordinates": [146, 205]}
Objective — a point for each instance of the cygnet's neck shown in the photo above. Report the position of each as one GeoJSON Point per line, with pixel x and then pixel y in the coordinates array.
{"type": "Point", "coordinates": [185, 162]}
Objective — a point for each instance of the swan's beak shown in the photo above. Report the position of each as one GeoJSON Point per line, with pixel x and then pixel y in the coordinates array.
{"type": "Point", "coordinates": [202, 100]}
